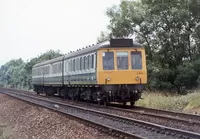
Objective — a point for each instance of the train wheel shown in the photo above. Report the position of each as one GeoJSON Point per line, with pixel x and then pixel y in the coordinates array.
{"type": "Point", "coordinates": [124, 103]}
{"type": "Point", "coordinates": [105, 102]}
{"type": "Point", "coordinates": [132, 103]}
{"type": "Point", "coordinates": [98, 102]}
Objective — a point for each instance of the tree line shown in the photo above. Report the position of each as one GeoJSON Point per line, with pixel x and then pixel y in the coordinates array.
{"type": "Point", "coordinates": [17, 74]}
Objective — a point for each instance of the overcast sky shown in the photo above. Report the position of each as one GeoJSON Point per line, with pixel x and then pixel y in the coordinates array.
{"type": "Point", "coordinates": [31, 27]}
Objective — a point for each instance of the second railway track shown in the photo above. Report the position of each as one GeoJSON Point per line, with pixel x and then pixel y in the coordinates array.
{"type": "Point", "coordinates": [119, 123]}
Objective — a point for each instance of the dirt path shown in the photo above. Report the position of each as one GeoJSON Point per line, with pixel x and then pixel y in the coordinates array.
{"type": "Point", "coordinates": [20, 120]}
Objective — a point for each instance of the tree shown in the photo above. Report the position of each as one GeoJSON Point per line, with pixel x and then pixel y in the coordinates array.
{"type": "Point", "coordinates": [17, 73]}
{"type": "Point", "coordinates": [168, 29]}
{"type": "Point", "coordinates": [103, 37]}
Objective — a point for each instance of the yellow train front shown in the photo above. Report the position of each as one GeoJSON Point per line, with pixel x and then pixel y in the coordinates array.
{"type": "Point", "coordinates": [121, 71]}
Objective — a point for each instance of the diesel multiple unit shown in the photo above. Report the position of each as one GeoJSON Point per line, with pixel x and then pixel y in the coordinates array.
{"type": "Point", "coordinates": [111, 71]}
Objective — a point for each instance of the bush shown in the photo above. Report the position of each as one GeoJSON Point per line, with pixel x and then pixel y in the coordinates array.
{"type": "Point", "coordinates": [186, 76]}
{"type": "Point", "coordinates": [163, 79]}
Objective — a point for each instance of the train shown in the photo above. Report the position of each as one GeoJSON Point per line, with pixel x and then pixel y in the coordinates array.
{"type": "Point", "coordinates": [113, 71]}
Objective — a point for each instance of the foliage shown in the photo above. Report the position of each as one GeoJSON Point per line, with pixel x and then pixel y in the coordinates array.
{"type": "Point", "coordinates": [1, 132]}
{"type": "Point", "coordinates": [17, 73]}
{"type": "Point", "coordinates": [170, 32]}
{"type": "Point", "coordinates": [103, 37]}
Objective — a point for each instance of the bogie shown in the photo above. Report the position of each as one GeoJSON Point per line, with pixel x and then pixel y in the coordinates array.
{"type": "Point", "coordinates": [92, 94]}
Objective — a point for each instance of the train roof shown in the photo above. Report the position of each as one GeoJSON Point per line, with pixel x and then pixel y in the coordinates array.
{"type": "Point", "coordinates": [119, 42]}
{"type": "Point", "coordinates": [49, 61]}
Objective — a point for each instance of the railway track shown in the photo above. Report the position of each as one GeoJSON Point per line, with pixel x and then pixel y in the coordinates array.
{"type": "Point", "coordinates": [116, 124]}
{"type": "Point", "coordinates": [166, 118]}
{"type": "Point", "coordinates": [184, 121]}
{"type": "Point", "coordinates": [193, 117]}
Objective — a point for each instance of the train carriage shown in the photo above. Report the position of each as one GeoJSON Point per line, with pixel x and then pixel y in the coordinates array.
{"type": "Point", "coordinates": [112, 71]}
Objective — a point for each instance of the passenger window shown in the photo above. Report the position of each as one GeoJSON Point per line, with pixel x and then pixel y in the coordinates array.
{"type": "Point", "coordinates": [80, 63]}
{"type": "Point", "coordinates": [60, 66]}
{"type": "Point", "coordinates": [77, 64]}
{"type": "Point", "coordinates": [136, 60]}
{"type": "Point", "coordinates": [108, 60]}
{"type": "Point", "coordinates": [76, 60]}
{"type": "Point", "coordinates": [66, 63]}
{"type": "Point", "coordinates": [84, 65]}
{"type": "Point", "coordinates": [73, 64]}
{"type": "Point", "coordinates": [88, 62]}
{"type": "Point", "coordinates": [69, 65]}
{"type": "Point", "coordinates": [92, 61]}
{"type": "Point", "coordinates": [122, 60]}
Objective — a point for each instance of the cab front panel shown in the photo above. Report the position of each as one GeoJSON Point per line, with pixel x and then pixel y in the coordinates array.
{"type": "Point", "coordinates": [118, 66]}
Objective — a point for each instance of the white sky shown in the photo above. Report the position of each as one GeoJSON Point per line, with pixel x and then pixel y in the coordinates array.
{"type": "Point", "coordinates": [31, 27]}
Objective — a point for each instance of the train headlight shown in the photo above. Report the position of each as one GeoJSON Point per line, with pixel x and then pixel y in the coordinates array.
{"type": "Point", "coordinates": [137, 78]}
{"type": "Point", "coordinates": [108, 79]}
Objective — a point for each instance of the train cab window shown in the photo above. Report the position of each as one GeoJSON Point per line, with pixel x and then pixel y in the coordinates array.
{"type": "Point", "coordinates": [136, 60]}
{"type": "Point", "coordinates": [108, 60]}
{"type": "Point", "coordinates": [122, 60]}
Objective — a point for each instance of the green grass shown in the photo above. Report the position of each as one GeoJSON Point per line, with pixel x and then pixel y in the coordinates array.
{"type": "Point", "coordinates": [171, 102]}
{"type": "Point", "coordinates": [4, 133]}
{"type": "Point", "coordinates": [1, 132]}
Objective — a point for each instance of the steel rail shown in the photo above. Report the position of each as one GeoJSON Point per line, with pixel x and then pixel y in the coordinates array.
{"type": "Point", "coordinates": [102, 127]}
{"type": "Point", "coordinates": [146, 125]}
{"type": "Point", "coordinates": [188, 121]}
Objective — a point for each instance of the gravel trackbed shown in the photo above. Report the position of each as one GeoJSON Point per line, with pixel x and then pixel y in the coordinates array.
{"type": "Point", "coordinates": [22, 120]}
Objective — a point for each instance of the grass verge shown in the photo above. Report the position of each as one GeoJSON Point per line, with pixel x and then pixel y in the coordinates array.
{"type": "Point", "coordinates": [185, 103]}
{"type": "Point", "coordinates": [3, 132]}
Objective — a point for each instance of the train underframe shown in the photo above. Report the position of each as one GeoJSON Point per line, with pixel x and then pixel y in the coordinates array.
{"type": "Point", "coordinates": [102, 94]}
